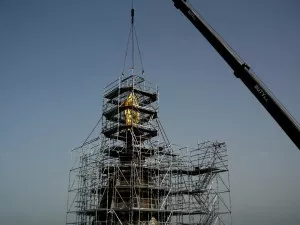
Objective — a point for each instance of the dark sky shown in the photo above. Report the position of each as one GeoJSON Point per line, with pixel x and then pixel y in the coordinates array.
{"type": "Point", "coordinates": [57, 56]}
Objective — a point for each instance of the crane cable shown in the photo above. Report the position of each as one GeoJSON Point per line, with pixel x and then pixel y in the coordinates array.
{"type": "Point", "coordinates": [133, 35]}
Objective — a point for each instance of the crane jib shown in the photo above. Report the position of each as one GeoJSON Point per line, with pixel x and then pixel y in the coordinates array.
{"type": "Point", "coordinates": [261, 92]}
{"type": "Point", "coordinates": [242, 71]}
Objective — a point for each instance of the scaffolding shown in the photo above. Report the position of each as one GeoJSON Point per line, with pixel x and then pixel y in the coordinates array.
{"type": "Point", "coordinates": [131, 174]}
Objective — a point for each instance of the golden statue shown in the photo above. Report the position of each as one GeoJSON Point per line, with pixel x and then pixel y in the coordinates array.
{"type": "Point", "coordinates": [132, 116]}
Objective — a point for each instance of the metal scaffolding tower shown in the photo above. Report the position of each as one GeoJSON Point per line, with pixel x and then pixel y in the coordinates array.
{"type": "Point", "coordinates": [131, 174]}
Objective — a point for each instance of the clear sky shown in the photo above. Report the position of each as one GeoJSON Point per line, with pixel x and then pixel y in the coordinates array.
{"type": "Point", "coordinates": [56, 57]}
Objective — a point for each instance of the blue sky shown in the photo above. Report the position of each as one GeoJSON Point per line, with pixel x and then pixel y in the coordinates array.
{"type": "Point", "coordinates": [56, 57]}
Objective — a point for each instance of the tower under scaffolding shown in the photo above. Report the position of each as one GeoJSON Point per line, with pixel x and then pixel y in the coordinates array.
{"type": "Point", "coordinates": [131, 174]}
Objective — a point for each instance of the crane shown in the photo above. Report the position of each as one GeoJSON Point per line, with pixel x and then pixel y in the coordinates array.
{"type": "Point", "coordinates": [242, 71]}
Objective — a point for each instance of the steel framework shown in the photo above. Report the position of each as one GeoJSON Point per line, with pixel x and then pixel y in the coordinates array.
{"type": "Point", "coordinates": [131, 174]}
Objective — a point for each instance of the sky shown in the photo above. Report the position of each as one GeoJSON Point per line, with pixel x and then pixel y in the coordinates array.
{"type": "Point", "coordinates": [57, 56]}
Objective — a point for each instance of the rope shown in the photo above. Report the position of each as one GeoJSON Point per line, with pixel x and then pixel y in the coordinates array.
{"type": "Point", "coordinates": [126, 51]}
{"type": "Point", "coordinates": [133, 36]}
{"type": "Point", "coordinates": [91, 132]}
{"type": "Point", "coordinates": [137, 42]}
